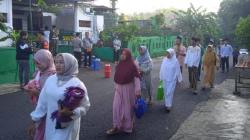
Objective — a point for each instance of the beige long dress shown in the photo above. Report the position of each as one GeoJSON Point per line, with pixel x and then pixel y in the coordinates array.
{"type": "Point", "coordinates": [210, 61]}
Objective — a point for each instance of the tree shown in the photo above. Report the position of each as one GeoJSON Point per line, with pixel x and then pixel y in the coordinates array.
{"type": "Point", "coordinates": [197, 22]}
{"type": "Point", "coordinates": [123, 17]}
{"type": "Point", "coordinates": [124, 31]}
{"type": "Point", "coordinates": [159, 19]}
{"type": "Point", "coordinates": [242, 32]}
{"type": "Point", "coordinates": [229, 14]}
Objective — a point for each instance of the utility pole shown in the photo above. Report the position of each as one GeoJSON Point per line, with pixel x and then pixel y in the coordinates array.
{"type": "Point", "coordinates": [113, 4]}
{"type": "Point", "coordinates": [31, 21]}
{"type": "Point", "coordinates": [114, 17]}
{"type": "Point", "coordinates": [75, 16]}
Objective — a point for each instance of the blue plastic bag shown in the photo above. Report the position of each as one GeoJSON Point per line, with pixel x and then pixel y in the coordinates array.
{"type": "Point", "coordinates": [140, 108]}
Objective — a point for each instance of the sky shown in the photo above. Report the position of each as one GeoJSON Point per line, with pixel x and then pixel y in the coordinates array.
{"type": "Point", "coordinates": [138, 6]}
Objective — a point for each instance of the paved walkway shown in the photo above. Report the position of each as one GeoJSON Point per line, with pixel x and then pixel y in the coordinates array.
{"type": "Point", "coordinates": [8, 88]}
{"type": "Point", "coordinates": [223, 117]}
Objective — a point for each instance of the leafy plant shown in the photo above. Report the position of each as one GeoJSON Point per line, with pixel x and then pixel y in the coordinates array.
{"type": "Point", "coordinates": [124, 31]}
{"type": "Point", "coordinates": [197, 22]}
{"type": "Point", "coordinates": [229, 14]}
{"type": "Point", "coordinates": [242, 32]}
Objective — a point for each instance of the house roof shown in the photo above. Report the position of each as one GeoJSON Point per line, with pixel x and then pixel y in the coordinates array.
{"type": "Point", "coordinates": [96, 7]}
{"type": "Point", "coordinates": [65, 1]}
{"type": "Point", "coordinates": [24, 2]}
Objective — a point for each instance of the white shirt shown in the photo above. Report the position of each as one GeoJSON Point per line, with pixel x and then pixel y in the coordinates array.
{"type": "Point", "coordinates": [193, 56]}
{"type": "Point", "coordinates": [48, 103]}
{"type": "Point", "coordinates": [226, 50]}
{"type": "Point", "coordinates": [117, 44]}
{"type": "Point", "coordinates": [46, 35]}
{"type": "Point", "coordinates": [87, 43]}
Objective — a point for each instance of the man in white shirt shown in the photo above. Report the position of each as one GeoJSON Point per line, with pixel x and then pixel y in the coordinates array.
{"type": "Point", "coordinates": [225, 52]}
{"type": "Point", "coordinates": [192, 61]}
{"type": "Point", "coordinates": [46, 33]}
{"type": "Point", "coordinates": [117, 46]}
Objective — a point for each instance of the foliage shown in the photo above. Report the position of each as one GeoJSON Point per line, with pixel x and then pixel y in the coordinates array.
{"type": "Point", "coordinates": [42, 3]}
{"type": "Point", "coordinates": [229, 14]}
{"type": "Point", "coordinates": [242, 32]}
{"type": "Point", "coordinates": [124, 31]}
{"type": "Point", "coordinates": [197, 22]}
{"type": "Point", "coordinates": [158, 21]}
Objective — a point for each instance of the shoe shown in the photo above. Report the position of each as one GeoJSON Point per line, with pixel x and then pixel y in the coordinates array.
{"type": "Point", "coordinates": [112, 131]}
{"type": "Point", "coordinates": [167, 109]}
{"type": "Point", "coordinates": [195, 93]}
{"type": "Point", "coordinates": [203, 89]}
{"type": "Point", "coordinates": [212, 86]}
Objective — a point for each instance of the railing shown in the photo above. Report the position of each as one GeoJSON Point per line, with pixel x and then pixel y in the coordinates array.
{"type": "Point", "coordinates": [157, 46]}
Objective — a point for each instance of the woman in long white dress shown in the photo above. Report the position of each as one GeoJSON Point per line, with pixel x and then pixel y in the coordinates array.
{"type": "Point", "coordinates": [170, 74]}
{"type": "Point", "coordinates": [53, 91]}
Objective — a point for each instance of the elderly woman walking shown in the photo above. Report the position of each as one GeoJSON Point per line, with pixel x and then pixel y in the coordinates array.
{"type": "Point", "coordinates": [210, 62]}
{"type": "Point", "coordinates": [55, 97]}
{"type": "Point", "coordinates": [145, 67]}
{"type": "Point", "coordinates": [170, 74]}
{"type": "Point", "coordinates": [45, 67]}
{"type": "Point", "coordinates": [127, 88]}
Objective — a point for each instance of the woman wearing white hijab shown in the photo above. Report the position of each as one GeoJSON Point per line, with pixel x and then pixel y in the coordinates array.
{"type": "Point", "coordinates": [53, 91]}
{"type": "Point", "coordinates": [170, 74]}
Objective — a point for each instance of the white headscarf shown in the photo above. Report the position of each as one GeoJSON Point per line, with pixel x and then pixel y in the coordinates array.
{"type": "Point", "coordinates": [70, 68]}
{"type": "Point", "coordinates": [170, 68]}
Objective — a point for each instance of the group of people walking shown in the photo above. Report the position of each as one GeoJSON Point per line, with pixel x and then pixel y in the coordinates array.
{"type": "Point", "coordinates": [55, 84]}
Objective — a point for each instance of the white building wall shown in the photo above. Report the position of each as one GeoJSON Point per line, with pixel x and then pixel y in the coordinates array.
{"type": "Point", "coordinates": [97, 23]}
{"type": "Point", "coordinates": [53, 17]}
{"type": "Point", "coordinates": [6, 7]}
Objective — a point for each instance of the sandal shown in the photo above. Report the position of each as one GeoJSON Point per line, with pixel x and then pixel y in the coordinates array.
{"type": "Point", "coordinates": [112, 131]}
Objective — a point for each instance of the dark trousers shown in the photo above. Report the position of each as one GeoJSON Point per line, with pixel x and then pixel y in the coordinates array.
{"type": "Point", "coordinates": [78, 56]}
{"type": "Point", "coordinates": [199, 72]}
{"type": "Point", "coordinates": [225, 63]}
{"type": "Point", "coordinates": [192, 71]}
{"type": "Point", "coordinates": [235, 60]}
{"type": "Point", "coordinates": [87, 58]}
{"type": "Point", "coordinates": [53, 47]}
{"type": "Point", "coordinates": [181, 68]}
{"type": "Point", "coordinates": [116, 55]}
{"type": "Point", "coordinates": [24, 71]}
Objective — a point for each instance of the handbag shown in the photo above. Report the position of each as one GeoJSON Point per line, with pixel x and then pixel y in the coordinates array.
{"type": "Point", "coordinates": [160, 92]}
{"type": "Point", "coordinates": [140, 107]}
{"type": "Point", "coordinates": [89, 49]}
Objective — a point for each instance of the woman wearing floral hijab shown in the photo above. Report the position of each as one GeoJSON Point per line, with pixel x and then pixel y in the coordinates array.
{"type": "Point", "coordinates": [54, 91]}
{"type": "Point", "coordinates": [127, 87]}
{"type": "Point", "coordinates": [145, 67]}
{"type": "Point", "coordinates": [45, 67]}
{"type": "Point", "coordinates": [170, 74]}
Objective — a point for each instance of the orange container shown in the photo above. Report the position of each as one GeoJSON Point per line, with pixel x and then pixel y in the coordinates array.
{"type": "Point", "coordinates": [107, 70]}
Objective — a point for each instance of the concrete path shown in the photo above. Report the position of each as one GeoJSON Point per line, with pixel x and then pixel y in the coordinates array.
{"type": "Point", "coordinates": [223, 117]}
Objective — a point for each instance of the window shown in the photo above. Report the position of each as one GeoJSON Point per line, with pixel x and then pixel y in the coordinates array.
{"type": "Point", "coordinates": [3, 17]}
{"type": "Point", "coordinates": [84, 23]}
